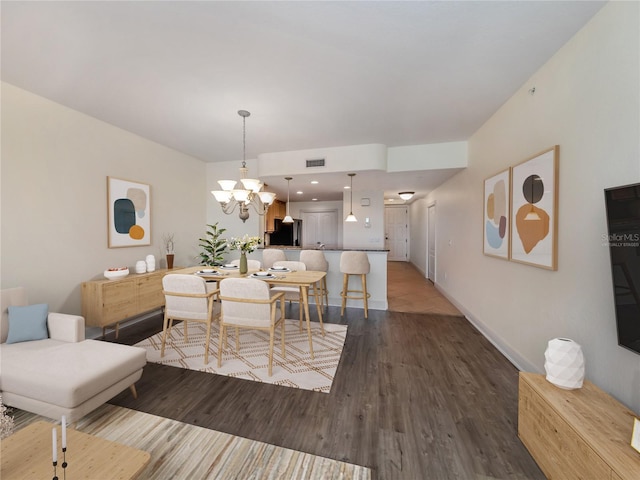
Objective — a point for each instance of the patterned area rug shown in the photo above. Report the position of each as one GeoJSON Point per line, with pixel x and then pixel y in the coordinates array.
{"type": "Point", "coordinates": [297, 370]}
{"type": "Point", "coordinates": [182, 451]}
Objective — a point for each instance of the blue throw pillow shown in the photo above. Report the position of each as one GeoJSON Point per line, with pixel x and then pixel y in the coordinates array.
{"type": "Point", "coordinates": [28, 323]}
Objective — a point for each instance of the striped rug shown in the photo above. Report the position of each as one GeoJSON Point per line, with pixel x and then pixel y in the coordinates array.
{"type": "Point", "coordinates": [297, 370]}
{"type": "Point", "coordinates": [182, 451]}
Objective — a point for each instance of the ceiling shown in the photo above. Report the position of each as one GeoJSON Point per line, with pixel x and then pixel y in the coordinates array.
{"type": "Point", "coordinates": [313, 74]}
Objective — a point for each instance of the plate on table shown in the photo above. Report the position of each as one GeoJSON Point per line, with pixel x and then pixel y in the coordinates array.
{"type": "Point", "coordinates": [262, 275]}
{"type": "Point", "coordinates": [229, 266]}
{"type": "Point", "coordinates": [207, 271]}
{"type": "Point", "coordinates": [279, 269]}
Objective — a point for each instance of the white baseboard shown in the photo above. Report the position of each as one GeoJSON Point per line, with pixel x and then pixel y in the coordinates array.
{"type": "Point", "coordinates": [503, 347]}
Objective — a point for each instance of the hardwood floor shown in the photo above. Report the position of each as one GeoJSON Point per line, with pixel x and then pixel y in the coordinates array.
{"type": "Point", "coordinates": [416, 396]}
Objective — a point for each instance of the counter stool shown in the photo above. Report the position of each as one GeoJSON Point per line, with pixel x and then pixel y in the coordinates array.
{"type": "Point", "coordinates": [315, 260]}
{"type": "Point", "coordinates": [271, 255]}
{"type": "Point", "coordinates": [354, 263]}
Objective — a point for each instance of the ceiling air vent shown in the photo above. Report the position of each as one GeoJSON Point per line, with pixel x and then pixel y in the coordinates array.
{"type": "Point", "coordinates": [316, 162]}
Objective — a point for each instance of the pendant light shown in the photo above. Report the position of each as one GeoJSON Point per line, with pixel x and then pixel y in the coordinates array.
{"type": "Point", "coordinates": [287, 218]}
{"type": "Point", "coordinates": [251, 193]}
{"type": "Point", "coordinates": [351, 217]}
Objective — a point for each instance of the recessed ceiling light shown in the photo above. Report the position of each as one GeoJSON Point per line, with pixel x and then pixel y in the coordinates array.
{"type": "Point", "coordinates": [314, 199]}
{"type": "Point", "coordinates": [314, 182]}
{"type": "Point", "coordinates": [347, 187]}
{"type": "Point", "coordinates": [299, 192]}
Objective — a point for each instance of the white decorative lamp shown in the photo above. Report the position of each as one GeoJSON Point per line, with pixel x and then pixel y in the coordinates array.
{"type": "Point", "coordinates": [564, 363]}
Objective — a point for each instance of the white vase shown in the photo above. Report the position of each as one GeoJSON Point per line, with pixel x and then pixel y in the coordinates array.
{"type": "Point", "coordinates": [564, 363]}
{"type": "Point", "coordinates": [141, 266]}
{"type": "Point", "coordinates": [151, 263]}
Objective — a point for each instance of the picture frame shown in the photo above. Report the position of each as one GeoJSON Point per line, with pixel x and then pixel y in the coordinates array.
{"type": "Point", "coordinates": [534, 210]}
{"type": "Point", "coordinates": [497, 214]}
{"type": "Point", "coordinates": [128, 213]}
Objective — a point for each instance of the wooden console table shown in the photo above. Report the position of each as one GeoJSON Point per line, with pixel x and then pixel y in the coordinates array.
{"type": "Point", "coordinates": [107, 302]}
{"type": "Point", "coordinates": [27, 455]}
{"type": "Point", "coordinates": [576, 434]}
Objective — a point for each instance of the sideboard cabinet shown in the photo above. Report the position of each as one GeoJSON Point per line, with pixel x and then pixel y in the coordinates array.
{"type": "Point", "coordinates": [576, 434]}
{"type": "Point", "coordinates": [108, 302]}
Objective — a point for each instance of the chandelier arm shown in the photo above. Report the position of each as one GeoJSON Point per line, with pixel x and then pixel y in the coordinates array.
{"type": "Point", "coordinates": [259, 207]}
{"type": "Point", "coordinates": [229, 207]}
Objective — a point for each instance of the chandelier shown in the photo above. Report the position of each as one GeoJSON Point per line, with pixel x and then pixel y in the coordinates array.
{"type": "Point", "coordinates": [230, 197]}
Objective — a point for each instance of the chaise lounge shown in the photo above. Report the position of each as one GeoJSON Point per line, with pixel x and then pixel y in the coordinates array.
{"type": "Point", "coordinates": [47, 367]}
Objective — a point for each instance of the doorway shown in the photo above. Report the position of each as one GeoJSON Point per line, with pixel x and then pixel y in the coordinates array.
{"type": "Point", "coordinates": [396, 237]}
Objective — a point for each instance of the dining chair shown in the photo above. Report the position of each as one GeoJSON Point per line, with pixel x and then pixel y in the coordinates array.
{"type": "Point", "coordinates": [187, 299]}
{"type": "Point", "coordinates": [271, 255]}
{"type": "Point", "coordinates": [315, 260]}
{"type": "Point", "coordinates": [291, 293]}
{"type": "Point", "coordinates": [248, 303]}
{"type": "Point", "coordinates": [251, 264]}
{"type": "Point", "coordinates": [354, 263]}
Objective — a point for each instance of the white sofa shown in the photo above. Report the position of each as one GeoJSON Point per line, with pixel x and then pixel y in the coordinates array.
{"type": "Point", "coordinates": [63, 374]}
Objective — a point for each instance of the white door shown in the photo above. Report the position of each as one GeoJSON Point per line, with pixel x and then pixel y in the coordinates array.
{"type": "Point", "coordinates": [431, 242]}
{"type": "Point", "coordinates": [396, 224]}
{"type": "Point", "coordinates": [319, 228]}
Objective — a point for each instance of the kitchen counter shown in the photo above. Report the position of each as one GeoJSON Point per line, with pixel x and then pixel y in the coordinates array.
{"type": "Point", "coordinates": [376, 280]}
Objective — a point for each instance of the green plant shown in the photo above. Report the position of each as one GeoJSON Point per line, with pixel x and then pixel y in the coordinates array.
{"type": "Point", "coordinates": [213, 246]}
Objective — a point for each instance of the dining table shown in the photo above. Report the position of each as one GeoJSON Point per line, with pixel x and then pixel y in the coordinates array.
{"type": "Point", "coordinates": [303, 279]}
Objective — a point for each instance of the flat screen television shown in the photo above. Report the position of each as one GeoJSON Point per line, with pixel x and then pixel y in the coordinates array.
{"type": "Point", "coordinates": [623, 220]}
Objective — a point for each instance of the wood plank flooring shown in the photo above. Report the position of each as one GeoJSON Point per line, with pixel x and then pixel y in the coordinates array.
{"type": "Point", "coordinates": [416, 396]}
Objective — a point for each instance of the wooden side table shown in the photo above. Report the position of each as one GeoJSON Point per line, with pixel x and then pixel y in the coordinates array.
{"type": "Point", "coordinates": [27, 455]}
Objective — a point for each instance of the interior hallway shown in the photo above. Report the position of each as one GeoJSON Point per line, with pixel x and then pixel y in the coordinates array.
{"type": "Point", "coordinates": [408, 291]}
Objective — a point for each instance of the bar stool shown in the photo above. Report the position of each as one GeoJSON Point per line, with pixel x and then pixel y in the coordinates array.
{"type": "Point", "coordinates": [315, 260]}
{"type": "Point", "coordinates": [354, 263]}
{"type": "Point", "coordinates": [271, 255]}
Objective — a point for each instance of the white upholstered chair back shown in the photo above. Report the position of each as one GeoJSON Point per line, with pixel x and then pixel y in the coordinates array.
{"type": "Point", "coordinates": [314, 260]}
{"type": "Point", "coordinates": [243, 312]}
{"type": "Point", "coordinates": [181, 307]}
{"type": "Point", "coordinates": [354, 263]}
{"type": "Point", "coordinates": [270, 255]}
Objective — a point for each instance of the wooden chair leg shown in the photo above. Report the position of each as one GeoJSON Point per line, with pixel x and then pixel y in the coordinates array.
{"type": "Point", "coordinates": [207, 344]}
{"type": "Point", "coordinates": [164, 334]}
{"type": "Point", "coordinates": [134, 392]}
{"type": "Point", "coordinates": [344, 293]}
{"type": "Point", "coordinates": [221, 342]}
{"type": "Point", "coordinates": [324, 289]}
{"type": "Point", "coordinates": [284, 353]}
{"type": "Point", "coordinates": [364, 296]}
{"type": "Point", "coordinates": [271, 349]}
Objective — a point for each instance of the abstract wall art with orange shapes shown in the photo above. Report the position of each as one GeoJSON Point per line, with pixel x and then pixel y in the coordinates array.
{"type": "Point", "coordinates": [534, 220]}
{"type": "Point", "coordinates": [496, 225]}
{"type": "Point", "coordinates": [129, 209]}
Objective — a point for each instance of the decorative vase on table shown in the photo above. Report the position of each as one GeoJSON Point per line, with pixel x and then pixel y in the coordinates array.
{"type": "Point", "coordinates": [169, 260]}
{"type": "Point", "coordinates": [243, 263]}
{"type": "Point", "coordinates": [564, 363]}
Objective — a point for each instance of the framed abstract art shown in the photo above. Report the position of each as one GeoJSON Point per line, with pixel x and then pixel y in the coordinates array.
{"type": "Point", "coordinates": [129, 213]}
{"type": "Point", "coordinates": [534, 201]}
{"type": "Point", "coordinates": [496, 223]}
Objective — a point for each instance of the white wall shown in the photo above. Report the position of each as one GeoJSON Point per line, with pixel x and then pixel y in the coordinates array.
{"type": "Point", "coordinates": [586, 101]}
{"type": "Point", "coordinates": [54, 202]}
{"type": "Point", "coordinates": [356, 235]}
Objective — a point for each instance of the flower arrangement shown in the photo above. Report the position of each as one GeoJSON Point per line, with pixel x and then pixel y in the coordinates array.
{"type": "Point", "coordinates": [246, 244]}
